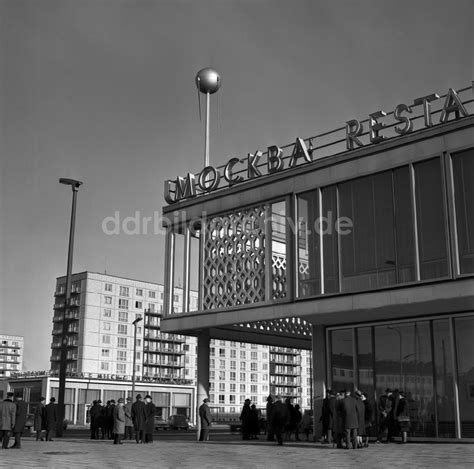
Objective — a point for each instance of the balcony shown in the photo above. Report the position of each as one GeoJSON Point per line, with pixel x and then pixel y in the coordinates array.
{"type": "Point", "coordinates": [56, 345]}
{"type": "Point", "coordinates": [54, 358]}
{"type": "Point", "coordinates": [57, 331]}
{"type": "Point", "coordinates": [73, 329]}
{"type": "Point", "coordinates": [59, 305]}
{"type": "Point", "coordinates": [61, 292]}
{"type": "Point", "coordinates": [71, 356]}
{"type": "Point", "coordinates": [72, 343]}
{"type": "Point", "coordinates": [72, 315]}
{"type": "Point", "coordinates": [58, 318]}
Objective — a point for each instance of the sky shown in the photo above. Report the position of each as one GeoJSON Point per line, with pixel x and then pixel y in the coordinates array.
{"type": "Point", "coordinates": [103, 91]}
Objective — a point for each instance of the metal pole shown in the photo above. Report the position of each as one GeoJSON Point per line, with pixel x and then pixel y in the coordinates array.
{"type": "Point", "coordinates": [137, 320]}
{"type": "Point", "coordinates": [206, 142]}
{"type": "Point", "coordinates": [63, 357]}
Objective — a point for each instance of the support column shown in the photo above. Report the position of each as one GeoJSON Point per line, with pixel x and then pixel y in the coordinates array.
{"type": "Point", "coordinates": [202, 373]}
{"type": "Point", "coordinates": [318, 346]}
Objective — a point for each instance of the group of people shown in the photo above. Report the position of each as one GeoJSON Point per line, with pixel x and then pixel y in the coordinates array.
{"type": "Point", "coordinates": [13, 416]}
{"type": "Point", "coordinates": [347, 418]}
{"type": "Point", "coordinates": [118, 420]}
{"type": "Point", "coordinates": [250, 418]}
{"type": "Point", "coordinates": [283, 419]}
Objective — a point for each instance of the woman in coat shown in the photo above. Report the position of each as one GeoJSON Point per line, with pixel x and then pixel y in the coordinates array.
{"type": "Point", "coordinates": [403, 417]}
{"type": "Point", "coordinates": [119, 422]}
{"type": "Point", "coordinates": [39, 422]}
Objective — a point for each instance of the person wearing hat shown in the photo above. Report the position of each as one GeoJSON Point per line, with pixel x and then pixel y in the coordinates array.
{"type": "Point", "coordinates": [51, 416]}
{"type": "Point", "coordinates": [150, 410]}
{"type": "Point", "coordinates": [95, 413]}
{"type": "Point", "coordinates": [7, 418]}
{"type": "Point", "coordinates": [206, 420]}
{"type": "Point", "coordinates": [39, 420]}
{"type": "Point", "coordinates": [269, 408]}
{"type": "Point", "coordinates": [360, 408]}
{"type": "Point", "coordinates": [119, 421]}
{"type": "Point", "coordinates": [139, 418]}
{"type": "Point", "coordinates": [385, 410]}
{"type": "Point", "coordinates": [20, 420]}
{"type": "Point", "coordinates": [245, 419]}
{"type": "Point", "coordinates": [128, 419]}
{"type": "Point", "coordinates": [280, 418]}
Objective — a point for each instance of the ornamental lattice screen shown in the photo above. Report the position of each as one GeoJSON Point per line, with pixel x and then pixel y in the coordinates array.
{"type": "Point", "coordinates": [234, 259]}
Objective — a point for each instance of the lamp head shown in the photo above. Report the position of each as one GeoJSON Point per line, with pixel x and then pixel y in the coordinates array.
{"type": "Point", "coordinates": [137, 321]}
{"type": "Point", "coordinates": [70, 182]}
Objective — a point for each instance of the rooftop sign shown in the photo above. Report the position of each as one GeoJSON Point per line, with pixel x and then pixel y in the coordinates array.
{"type": "Point", "coordinates": [400, 121]}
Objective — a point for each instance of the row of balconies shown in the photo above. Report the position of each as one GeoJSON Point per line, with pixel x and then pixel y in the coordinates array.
{"type": "Point", "coordinates": [284, 350]}
{"type": "Point", "coordinates": [279, 359]}
{"type": "Point", "coordinates": [163, 350]}
{"type": "Point", "coordinates": [75, 302]}
{"type": "Point", "coordinates": [72, 315]}
{"type": "Point", "coordinates": [71, 342]}
{"type": "Point", "coordinates": [162, 364]}
{"type": "Point", "coordinates": [69, 356]}
{"type": "Point", "coordinates": [164, 337]}
{"type": "Point", "coordinates": [278, 381]}
{"type": "Point", "coordinates": [6, 360]}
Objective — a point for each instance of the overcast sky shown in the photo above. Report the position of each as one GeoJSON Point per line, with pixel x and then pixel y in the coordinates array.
{"type": "Point", "coordinates": [103, 91]}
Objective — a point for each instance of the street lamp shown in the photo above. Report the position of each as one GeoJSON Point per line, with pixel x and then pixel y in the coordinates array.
{"type": "Point", "coordinates": [137, 320]}
{"type": "Point", "coordinates": [397, 330]}
{"type": "Point", "coordinates": [63, 357]}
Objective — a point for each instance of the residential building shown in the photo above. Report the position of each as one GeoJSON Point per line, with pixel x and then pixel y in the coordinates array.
{"type": "Point", "coordinates": [11, 354]}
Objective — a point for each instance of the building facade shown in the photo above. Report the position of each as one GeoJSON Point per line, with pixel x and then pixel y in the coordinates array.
{"type": "Point", "coordinates": [356, 244]}
{"type": "Point", "coordinates": [11, 354]}
{"type": "Point", "coordinates": [101, 344]}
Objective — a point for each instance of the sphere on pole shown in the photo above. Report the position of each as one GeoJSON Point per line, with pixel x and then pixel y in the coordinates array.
{"type": "Point", "coordinates": [208, 80]}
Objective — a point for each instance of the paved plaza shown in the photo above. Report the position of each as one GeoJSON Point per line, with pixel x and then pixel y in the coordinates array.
{"type": "Point", "coordinates": [235, 454]}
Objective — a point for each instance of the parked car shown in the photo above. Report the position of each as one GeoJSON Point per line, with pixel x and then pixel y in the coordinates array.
{"type": "Point", "coordinates": [160, 423]}
{"type": "Point", "coordinates": [178, 422]}
{"type": "Point", "coordinates": [30, 423]}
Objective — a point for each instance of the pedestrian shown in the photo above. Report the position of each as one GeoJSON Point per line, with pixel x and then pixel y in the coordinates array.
{"type": "Point", "coordinates": [109, 419]}
{"type": "Point", "coordinates": [280, 419]}
{"type": "Point", "coordinates": [269, 412]}
{"type": "Point", "coordinates": [298, 417]}
{"type": "Point", "coordinates": [368, 415]}
{"type": "Point", "coordinates": [206, 420]}
{"type": "Point", "coordinates": [20, 420]}
{"type": "Point", "coordinates": [7, 419]}
{"type": "Point", "coordinates": [326, 418]}
{"type": "Point", "coordinates": [128, 419]}
{"type": "Point", "coordinates": [51, 417]}
{"type": "Point", "coordinates": [384, 407]}
{"type": "Point", "coordinates": [351, 422]}
{"type": "Point", "coordinates": [306, 423]}
{"type": "Point", "coordinates": [119, 422]}
{"type": "Point", "coordinates": [290, 425]}
{"type": "Point", "coordinates": [245, 419]}
{"type": "Point", "coordinates": [39, 420]}
{"type": "Point", "coordinates": [253, 423]}
{"type": "Point", "coordinates": [360, 408]}
{"type": "Point", "coordinates": [150, 411]}
{"type": "Point", "coordinates": [403, 417]}
{"type": "Point", "coordinates": [338, 420]}
{"type": "Point", "coordinates": [95, 414]}
{"type": "Point", "coordinates": [139, 418]}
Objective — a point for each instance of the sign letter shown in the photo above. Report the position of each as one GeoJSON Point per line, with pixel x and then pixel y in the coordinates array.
{"type": "Point", "coordinates": [408, 123]}
{"type": "Point", "coordinates": [452, 104]}
{"type": "Point", "coordinates": [185, 187]}
{"type": "Point", "coordinates": [376, 126]}
{"type": "Point", "coordinates": [299, 151]}
{"type": "Point", "coordinates": [228, 172]}
{"type": "Point", "coordinates": [252, 170]}
{"type": "Point", "coordinates": [426, 100]}
{"type": "Point", "coordinates": [353, 130]}
{"type": "Point", "coordinates": [209, 185]}
{"type": "Point", "coordinates": [275, 163]}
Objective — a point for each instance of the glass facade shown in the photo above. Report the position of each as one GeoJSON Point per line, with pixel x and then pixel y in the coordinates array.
{"type": "Point", "coordinates": [414, 357]}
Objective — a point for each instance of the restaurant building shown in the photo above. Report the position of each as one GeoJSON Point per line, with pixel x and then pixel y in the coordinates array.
{"type": "Point", "coordinates": [356, 244]}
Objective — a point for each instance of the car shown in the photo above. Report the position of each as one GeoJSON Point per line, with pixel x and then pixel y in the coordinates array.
{"type": "Point", "coordinates": [178, 422]}
{"type": "Point", "coordinates": [160, 423]}
{"type": "Point", "coordinates": [30, 423]}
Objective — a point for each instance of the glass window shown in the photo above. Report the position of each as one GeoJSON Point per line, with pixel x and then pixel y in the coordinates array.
{"type": "Point", "coordinates": [124, 291]}
{"type": "Point", "coordinates": [463, 173]}
{"type": "Point", "coordinates": [108, 287]}
{"type": "Point", "coordinates": [108, 300]}
{"type": "Point", "coordinates": [329, 230]}
{"type": "Point", "coordinates": [139, 304]}
{"type": "Point", "coordinates": [123, 316]}
{"type": "Point", "coordinates": [107, 313]}
{"type": "Point", "coordinates": [123, 304]}
{"type": "Point", "coordinates": [279, 283]}
{"type": "Point", "coordinates": [365, 362]}
{"type": "Point", "coordinates": [430, 219]}
{"type": "Point", "coordinates": [151, 294]}
{"type": "Point", "coordinates": [309, 264]}
{"type": "Point", "coordinates": [444, 378]}
{"type": "Point", "coordinates": [341, 359]}
{"type": "Point", "coordinates": [139, 292]}
{"type": "Point", "coordinates": [122, 329]}
{"type": "Point", "coordinates": [464, 328]}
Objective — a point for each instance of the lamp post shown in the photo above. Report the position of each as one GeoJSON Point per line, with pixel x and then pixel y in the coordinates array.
{"type": "Point", "coordinates": [63, 357]}
{"type": "Point", "coordinates": [137, 320]}
{"type": "Point", "coordinates": [397, 330]}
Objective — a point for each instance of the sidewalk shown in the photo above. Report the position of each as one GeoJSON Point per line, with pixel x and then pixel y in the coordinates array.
{"type": "Point", "coordinates": [80, 453]}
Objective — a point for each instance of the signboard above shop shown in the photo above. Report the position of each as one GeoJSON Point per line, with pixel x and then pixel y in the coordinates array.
{"type": "Point", "coordinates": [380, 126]}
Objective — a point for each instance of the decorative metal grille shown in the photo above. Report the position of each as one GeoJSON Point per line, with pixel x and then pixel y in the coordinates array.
{"type": "Point", "coordinates": [234, 259]}
{"type": "Point", "coordinates": [279, 289]}
{"type": "Point", "coordinates": [287, 326]}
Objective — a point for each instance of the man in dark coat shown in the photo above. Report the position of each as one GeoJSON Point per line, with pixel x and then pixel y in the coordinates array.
{"type": "Point", "coordinates": [95, 413]}
{"type": "Point", "coordinates": [351, 422]}
{"type": "Point", "coordinates": [206, 420]}
{"type": "Point", "coordinates": [51, 416]}
{"type": "Point", "coordinates": [280, 419]}
{"type": "Point", "coordinates": [245, 419]}
{"type": "Point", "coordinates": [150, 411]}
{"type": "Point", "coordinates": [7, 418]}
{"type": "Point", "coordinates": [360, 408]}
{"type": "Point", "coordinates": [269, 408]}
{"type": "Point", "coordinates": [139, 418]}
{"type": "Point", "coordinates": [20, 420]}
{"type": "Point", "coordinates": [39, 420]}
{"type": "Point", "coordinates": [384, 406]}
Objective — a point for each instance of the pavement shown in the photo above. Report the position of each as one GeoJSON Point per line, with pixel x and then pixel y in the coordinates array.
{"type": "Point", "coordinates": [231, 454]}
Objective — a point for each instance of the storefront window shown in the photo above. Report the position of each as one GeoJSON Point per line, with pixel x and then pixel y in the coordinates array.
{"type": "Point", "coordinates": [444, 378]}
{"type": "Point", "coordinates": [463, 172]}
{"type": "Point", "coordinates": [330, 237]}
{"type": "Point", "coordinates": [279, 273]}
{"type": "Point", "coordinates": [464, 329]}
{"type": "Point", "coordinates": [365, 362]}
{"type": "Point", "coordinates": [430, 220]}
{"type": "Point", "coordinates": [342, 360]}
{"type": "Point", "coordinates": [309, 262]}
